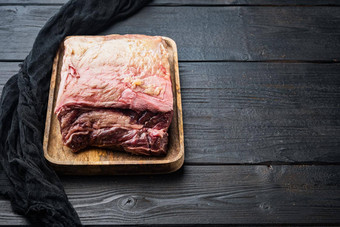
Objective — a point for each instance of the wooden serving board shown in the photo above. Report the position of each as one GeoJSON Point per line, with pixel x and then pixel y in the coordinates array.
{"type": "Point", "coordinates": [94, 161]}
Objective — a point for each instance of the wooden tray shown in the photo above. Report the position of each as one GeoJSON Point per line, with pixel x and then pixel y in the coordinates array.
{"type": "Point", "coordinates": [102, 161]}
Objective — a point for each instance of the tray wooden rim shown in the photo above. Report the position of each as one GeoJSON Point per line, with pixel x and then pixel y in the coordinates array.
{"type": "Point", "coordinates": [171, 165]}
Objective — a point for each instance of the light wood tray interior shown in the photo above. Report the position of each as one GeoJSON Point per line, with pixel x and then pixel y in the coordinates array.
{"type": "Point", "coordinates": [102, 161]}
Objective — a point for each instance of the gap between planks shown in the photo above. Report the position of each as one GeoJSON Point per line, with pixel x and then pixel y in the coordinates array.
{"type": "Point", "coordinates": [227, 61]}
{"type": "Point", "coordinates": [193, 4]}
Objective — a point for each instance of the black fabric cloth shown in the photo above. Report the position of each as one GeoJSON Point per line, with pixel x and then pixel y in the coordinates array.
{"type": "Point", "coordinates": [26, 179]}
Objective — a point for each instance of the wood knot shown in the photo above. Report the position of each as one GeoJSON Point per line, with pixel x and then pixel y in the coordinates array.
{"type": "Point", "coordinates": [127, 203]}
{"type": "Point", "coordinates": [265, 206]}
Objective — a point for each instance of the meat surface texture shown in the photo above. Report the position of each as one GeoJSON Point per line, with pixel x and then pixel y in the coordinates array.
{"type": "Point", "coordinates": [115, 91]}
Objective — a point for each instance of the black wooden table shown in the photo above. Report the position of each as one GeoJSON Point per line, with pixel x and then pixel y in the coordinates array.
{"type": "Point", "coordinates": [261, 103]}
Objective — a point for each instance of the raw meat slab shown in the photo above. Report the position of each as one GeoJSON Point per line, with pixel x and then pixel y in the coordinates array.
{"type": "Point", "coordinates": [102, 161]}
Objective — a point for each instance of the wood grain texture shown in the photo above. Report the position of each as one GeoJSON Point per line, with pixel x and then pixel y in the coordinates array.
{"type": "Point", "coordinates": [7, 216]}
{"type": "Point", "coordinates": [244, 2]}
{"type": "Point", "coordinates": [7, 69]}
{"type": "Point", "coordinates": [257, 112]}
{"type": "Point", "coordinates": [233, 113]}
{"type": "Point", "coordinates": [261, 112]}
{"type": "Point", "coordinates": [207, 195]}
{"type": "Point", "coordinates": [211, 33]}
{"type": "Point", "coordinates": [198, 2]}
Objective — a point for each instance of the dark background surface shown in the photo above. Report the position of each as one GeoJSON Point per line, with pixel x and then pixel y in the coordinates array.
{"type": "Point", "coordinates": [261, 104]}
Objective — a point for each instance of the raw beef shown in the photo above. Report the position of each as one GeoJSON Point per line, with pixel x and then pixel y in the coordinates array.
{"type": "Point", "coordinates": [115, 91]}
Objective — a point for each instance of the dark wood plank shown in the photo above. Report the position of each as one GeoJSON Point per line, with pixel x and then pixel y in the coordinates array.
{"type": "Point", "coordinates": [261, 112]}
{"type": "Point", "coordinates": [7, 216]}
{"type": "Point", "coordinates": [207, 195]}
{"type": "Point", "coordinates": [7, 69]}
{"type": "Point", "coordinates": [197, 2]}
{"type": "Point", "coordinates": [245, 2]}
{"type": "Point", "coordinates": [256, 112]}
{"type": "Point", "coordinates": [205, 33]}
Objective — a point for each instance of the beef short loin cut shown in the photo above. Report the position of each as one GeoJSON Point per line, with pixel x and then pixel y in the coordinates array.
{"type": "Point", "coordinates": [115, 91]}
